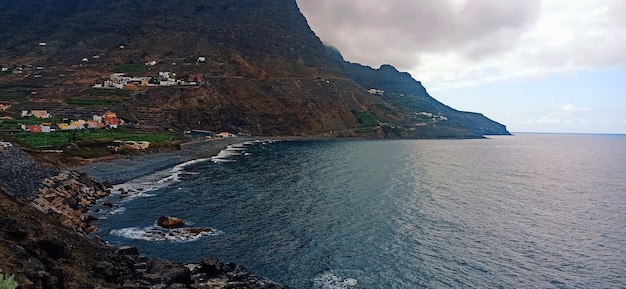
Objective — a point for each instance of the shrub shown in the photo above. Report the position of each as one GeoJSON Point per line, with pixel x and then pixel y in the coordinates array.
{"type": "Point", "coordinates": [7, 282]}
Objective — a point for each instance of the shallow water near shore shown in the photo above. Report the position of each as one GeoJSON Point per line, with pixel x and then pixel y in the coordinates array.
{"type": "Point", "coordinates": [527, 211]}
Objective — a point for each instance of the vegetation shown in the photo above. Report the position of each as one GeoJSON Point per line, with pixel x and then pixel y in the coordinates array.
{"type": "Point", "coordinates": [6, 73]}
{"type": "Point", "coordinates": [7, 282]}
{"type": "Point", "coordinates": [129, 67]}
{"type": "Point", "coordinates": [366, 118]}
{"type": "Point", "coordinates": [9, 124]}
{"type": "Point", "coordinates": [64, 138]}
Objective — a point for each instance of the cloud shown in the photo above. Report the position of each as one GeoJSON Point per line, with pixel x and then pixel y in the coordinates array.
{"type": "Point", "coordinates": [369, 31]}
{"type": "Point", "coordinates": [569, 110]}
{"type": "Point", "coordinates": [456, 43]}
{"type": "Point", "coordinates": [563, 115]}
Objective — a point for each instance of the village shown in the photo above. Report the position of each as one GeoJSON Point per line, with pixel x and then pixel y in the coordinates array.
{"type": "Point", "coordinates": [107, 120]}
{"type": "Point", "coordinates": [165, 78]}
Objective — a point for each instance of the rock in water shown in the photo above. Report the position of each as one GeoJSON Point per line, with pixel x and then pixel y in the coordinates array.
{"type": "Point", "coordinates": [168, 222]}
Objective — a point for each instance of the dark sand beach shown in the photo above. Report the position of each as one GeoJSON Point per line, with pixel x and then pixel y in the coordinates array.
{"type": "Point", "coordinates": [121, 170]}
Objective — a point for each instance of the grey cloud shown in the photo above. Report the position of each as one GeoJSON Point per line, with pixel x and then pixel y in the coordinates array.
{"type": "Point", "coordinates": [395, 31]}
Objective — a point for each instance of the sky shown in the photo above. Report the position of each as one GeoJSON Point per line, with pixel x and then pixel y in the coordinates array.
{"type": "Point", "coordinates": [532, 65]}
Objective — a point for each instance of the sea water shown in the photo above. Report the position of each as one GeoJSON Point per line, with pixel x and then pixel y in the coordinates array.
{"type": "Point", "coordinates": [525, 211]}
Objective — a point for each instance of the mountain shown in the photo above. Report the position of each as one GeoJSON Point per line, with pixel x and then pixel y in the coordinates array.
{"type": "Point", "coordinates": [260, 68]}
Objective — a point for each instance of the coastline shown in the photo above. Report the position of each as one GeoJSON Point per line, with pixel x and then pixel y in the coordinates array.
{"type": "Point", "coordinates": [121, 170]}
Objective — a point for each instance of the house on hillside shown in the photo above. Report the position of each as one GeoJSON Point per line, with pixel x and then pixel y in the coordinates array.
{"type": "Point", "coordinates": [76, 125]}
{"type": "Point", "coordinates": [95, 124]}
{"type": "Point", "coordinates": [108, 114]}
{"type": "Point", "coordinates": [36, 113]}
{"type": "Point", "coordinates": [4, 106]}
{"type": "Point", "coordinates": [34, 128]}
{"type": "Point", "coordinates": [114, 122]}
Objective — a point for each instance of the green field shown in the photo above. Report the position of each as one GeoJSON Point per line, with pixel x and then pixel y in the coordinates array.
{"type": "Point", "coordinates": [128, 68]}
{"type": "Point", "coordinates": [86, 137]}
{"type": "Point", "coordinates": [366, 118]}
{"type": "Point", "coordinates": [15, 123]}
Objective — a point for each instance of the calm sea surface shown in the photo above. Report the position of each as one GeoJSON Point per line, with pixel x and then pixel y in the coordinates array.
{"type": "Point", "coordinates": [527, 211]}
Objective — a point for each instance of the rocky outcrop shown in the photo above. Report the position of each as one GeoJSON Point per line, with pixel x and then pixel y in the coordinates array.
{"type": "Point", "coordinates": [65, 194]}
{"type": "Point", "coordinates": [22, 176]}
{"type": "Point", "coordinates": [43, 253]}
{"type": "Point", "coordinates": [169, 222]}
{"type": "Point", "coordinates": [43, 239]}
{"type": "Point", "coordinates": [69, 195]}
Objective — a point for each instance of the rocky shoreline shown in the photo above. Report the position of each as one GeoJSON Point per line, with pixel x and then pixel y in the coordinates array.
{"type": "Point", "coordinates": [44, 223]}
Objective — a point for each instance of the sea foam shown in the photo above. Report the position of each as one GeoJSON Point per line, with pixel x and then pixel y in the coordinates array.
{"type": "Point", "coordinates": [333, 280]}
{"type": "Point", "coordinates": [157, 234]}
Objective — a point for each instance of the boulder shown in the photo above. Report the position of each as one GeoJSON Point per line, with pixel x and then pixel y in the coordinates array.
{"type": "Point", "coordinates": [168, 222]}
{"type": "Point", "coordinates": [105, 270]}
{"type": "Point", "coordinates": [128, 250]}
{"type": "Point", "coordinates": [167, 273]}
{"type": "Point", "coordinates": [211, 266]}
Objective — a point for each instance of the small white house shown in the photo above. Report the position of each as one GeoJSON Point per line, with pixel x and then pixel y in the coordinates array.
{"type": "Point", "coordinates": [42, 44]}
{"type": "Point", "coordinates": [201, 59]}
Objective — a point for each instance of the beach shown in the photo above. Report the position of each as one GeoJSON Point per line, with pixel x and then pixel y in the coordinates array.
{"type": "Point", "coordinates": [117, 171]}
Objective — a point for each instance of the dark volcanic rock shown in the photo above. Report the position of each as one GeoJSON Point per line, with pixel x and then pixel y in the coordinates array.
{"type": "Point", "coordinates": [56, 257]}
{"type": "Point", "coordinates": [21, 175]}
{"type": "Point", "coordinates": [54, 248]}
{"type": "Point", "coordinates": [169, 222]}
{"type": "Point", "coordinates": [211, 266]}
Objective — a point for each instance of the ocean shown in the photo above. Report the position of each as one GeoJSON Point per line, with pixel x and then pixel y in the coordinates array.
{"type": "Point", "coordinates": [523, 211]}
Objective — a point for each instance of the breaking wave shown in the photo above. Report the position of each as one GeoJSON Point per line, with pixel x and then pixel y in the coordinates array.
{"type": "Point", "coordinates": [157, 234]}
{"type": "Point", "coordinates": [335, 280]}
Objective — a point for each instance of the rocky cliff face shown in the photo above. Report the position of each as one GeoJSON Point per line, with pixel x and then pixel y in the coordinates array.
{"type": "Point", "coordinates": [263, 70]}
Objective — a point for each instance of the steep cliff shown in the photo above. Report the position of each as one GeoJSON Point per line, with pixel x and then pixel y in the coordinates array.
{"type": "Point", "coordinates": [401, 90]}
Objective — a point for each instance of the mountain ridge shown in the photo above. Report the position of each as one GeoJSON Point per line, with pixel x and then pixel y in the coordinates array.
{"type": "Point", "coordinates": [265, 71]}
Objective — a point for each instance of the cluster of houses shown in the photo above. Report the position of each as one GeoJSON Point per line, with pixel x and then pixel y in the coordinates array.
{"type": "Point", "coordinates": [165, 78]}
{"type": "Point", "coordinates": [432, 116]}
{"type": "Point", "coordinates": [107, 120]}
